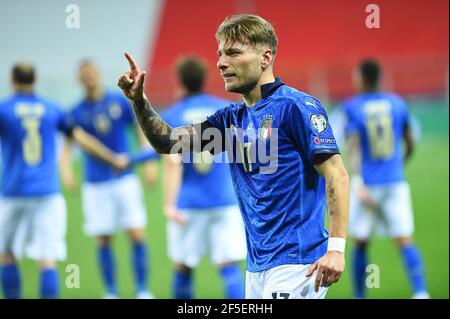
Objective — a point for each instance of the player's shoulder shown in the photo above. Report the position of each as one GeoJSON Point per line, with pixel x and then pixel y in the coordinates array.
{"type": "Point", "coordinates": [394, 98]}
{"type": "Point", "coordinates": [289, 97]}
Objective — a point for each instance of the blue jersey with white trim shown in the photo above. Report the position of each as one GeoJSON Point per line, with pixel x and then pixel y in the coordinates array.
{"type": "Point", "coordinates": [380, 120]}
{"type": "Point", "coordinates": [107, 120]}
{"type": "Point", "coordinates": [280, 193]}
{"type": "Point", "coordinates": [28, 131]}
{"type": "Point", "coordinates": [206, 180]}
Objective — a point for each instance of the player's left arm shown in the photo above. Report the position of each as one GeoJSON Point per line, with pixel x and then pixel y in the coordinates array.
{"type": "Point", "coordinates": [409, 141]}
{"type": "Point", "coordinates": [96, 148]}
{"type": "Point", "coordinates": [331, 265]}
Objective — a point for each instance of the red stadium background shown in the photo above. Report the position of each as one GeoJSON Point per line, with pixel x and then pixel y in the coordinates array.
{"type": "Point", "coordinates": [319, 43]}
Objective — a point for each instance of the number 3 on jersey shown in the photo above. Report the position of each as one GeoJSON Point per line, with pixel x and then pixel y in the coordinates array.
{"type": "Point", "coordinates": [30, 117]}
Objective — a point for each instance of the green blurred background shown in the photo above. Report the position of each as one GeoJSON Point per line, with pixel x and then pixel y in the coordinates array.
{"type": "Point", "coordinates": [427, 174]}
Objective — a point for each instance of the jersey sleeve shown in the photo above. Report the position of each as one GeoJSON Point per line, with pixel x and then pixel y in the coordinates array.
{"type": "Point", "coordinates": [66, 122]}
{"type": "Point", "coordinates": [219, 119]}
{"type": "Point", "coordinates": [310, 129]}
{"type": "Point", "coordinates": [350, 120]}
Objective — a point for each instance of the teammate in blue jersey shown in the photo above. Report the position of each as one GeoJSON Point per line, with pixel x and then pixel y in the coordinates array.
{"type": "Point", "coordinates": [199, 199]}
{"type": "Point", "coordinates": [32, 210]}
{"type": "Point", "coordinates": [285, 166]}
{"type": "Point", "coordinates": [111, 200]}
{"type": "Point", "coordinates": [377, 129]}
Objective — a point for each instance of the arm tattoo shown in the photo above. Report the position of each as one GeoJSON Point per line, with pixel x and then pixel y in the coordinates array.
{"type": "Point", "coordinates": [331, 196]}
{"type": "Point", "coordinates": [161, 136]}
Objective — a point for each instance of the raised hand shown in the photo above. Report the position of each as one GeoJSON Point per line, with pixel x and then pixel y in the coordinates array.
{"type": "Point", "coordinates": [132, 81]}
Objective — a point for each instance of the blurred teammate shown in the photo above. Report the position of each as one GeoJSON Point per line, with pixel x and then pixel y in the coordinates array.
{"type": "Point", "coordinates": [32, 210]}
{"type": "Point", "coordinates": [282, 195]}
{"type": "Point", "coordinates": [112, 200]}
{"type": "Point", "coordinates": [378, 127]}
{"type": "Point", "coordinates": [199, 200]}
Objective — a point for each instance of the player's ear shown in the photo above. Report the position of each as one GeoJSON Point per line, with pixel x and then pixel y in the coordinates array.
{"type": "Point", "coordinates": [266, 58]}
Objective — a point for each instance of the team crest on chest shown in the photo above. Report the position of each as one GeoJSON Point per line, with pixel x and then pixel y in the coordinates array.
{"type": "Point", "coordinates": [265, 127]}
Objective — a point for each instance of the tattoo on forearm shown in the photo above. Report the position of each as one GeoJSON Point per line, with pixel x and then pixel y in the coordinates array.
{"type": "Point", "coordinates": [159, 133]}
{"type": "Point", "coordinates": [331, 196]}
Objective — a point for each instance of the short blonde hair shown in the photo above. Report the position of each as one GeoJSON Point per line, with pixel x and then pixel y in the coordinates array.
{"type": "Point", "coordinates": [248, 29]}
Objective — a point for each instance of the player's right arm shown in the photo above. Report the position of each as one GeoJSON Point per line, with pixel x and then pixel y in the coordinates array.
{"type": "Point", "coordinates": [96, 148]}
{"type": "Point", "coordinates": [65, 166]}
{"type": "Point", "coordinates": [162, 136]}
{"type": "Point", "coordinates": [354, 160]}
{"type": "Point", "coordinates": [173, 171]}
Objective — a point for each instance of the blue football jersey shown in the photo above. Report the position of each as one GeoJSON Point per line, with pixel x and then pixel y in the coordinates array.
{"type": "Point", "coordinates": [380, 120]}
{"type": "Point", "coordinates": [280, 193]}
{"type": "Point", "coordinates": [28, 131]}
{"type": "Point", "coordinates": [107, 120]}
{"type": "Point", "coordinates": [206, 179]}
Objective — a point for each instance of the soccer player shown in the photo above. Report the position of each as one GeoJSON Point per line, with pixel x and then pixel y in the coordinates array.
{"type": "Point", "coordinates": [111, 200]}
{"type": "Point", "coordinates": [377, 129]}
{"type": "Point", "coordinates": [199, 200]}
{"type": "Point", "coordinates": [32, 210]}
{"type": "Point", "coordinates": [283, 196]}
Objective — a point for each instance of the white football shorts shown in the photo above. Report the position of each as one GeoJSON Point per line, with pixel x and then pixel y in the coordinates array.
{"type": "Point", "coordinates": [113, 205]}
{"type": "Point", "coordinates": [34, 227]}
{"type": "Point", "coordinates": [219, 231]}
{"type": "Point", "coordinates": [393, 218]}
{"type": "Point", "coordinates": [283, 282]}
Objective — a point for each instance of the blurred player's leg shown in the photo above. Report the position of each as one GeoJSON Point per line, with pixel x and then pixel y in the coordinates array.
{"type": "Point", "coordinates": [107, 266]}
{"type": "Point", "coordinates": [227, 244]}
{"type": "Point", "coordinates": [49, 280]}
{"type": "Point", "coordinates": [132, 217]}
{"type": "Point", "coordinates": [359, 261]}
{"type": "Point", "coordinates": [233, 280]}
{"type": "Point", "coordinates": [397, 210]}
{"type": "Point", "coordinates": [10, 277]}
{"type": "Point", "coordinates": [186, 244]}
{"type": "Point", "coordinates": [412, 261]}
{"type": "Point", "coordinates": [140, 263]}
{"type": "Point", "coordinates": [47, 240]}
{"type": "Point", "coordinates": [10, 219]}
{"type": "Point", "coordinates": [182, 282]}
{"type": "Point", "coordinates": [361, 222]}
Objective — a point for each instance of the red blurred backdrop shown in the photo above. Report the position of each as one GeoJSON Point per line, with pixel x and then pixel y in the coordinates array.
{"type": "Point", "coordinates": [319, 43]}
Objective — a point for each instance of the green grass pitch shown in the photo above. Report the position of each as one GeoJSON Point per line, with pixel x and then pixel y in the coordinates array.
{"type": "Point", "coordinates": [428, 176]}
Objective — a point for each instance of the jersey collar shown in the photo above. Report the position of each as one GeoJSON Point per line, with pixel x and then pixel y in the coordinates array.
{"type": "Point", "coordinates": [269, 88]}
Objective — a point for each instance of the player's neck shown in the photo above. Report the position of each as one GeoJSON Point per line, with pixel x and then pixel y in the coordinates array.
{"type": "Point", "coordinates": [94, 94]}
{"type": "Point", "coordinates": [24, 89]}
{"type": "Point", "coordinates": [255, 95]}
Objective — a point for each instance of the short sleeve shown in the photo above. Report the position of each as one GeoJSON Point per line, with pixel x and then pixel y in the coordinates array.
{"type": "Point", "coordinates": [310, 129]}
{"type": "Point", "coordinates": [66, 122]}
{"type": "Point", "coordinates": [350, 120]}
{"type": "Point", "coordinates": [219, 119]}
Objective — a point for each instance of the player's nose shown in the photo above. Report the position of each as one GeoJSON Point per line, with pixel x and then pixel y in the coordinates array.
{"type": "Point", "coordinates": [221, 63]}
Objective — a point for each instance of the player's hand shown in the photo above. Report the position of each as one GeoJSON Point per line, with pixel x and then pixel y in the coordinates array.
{"type": "Point", "coordinates": [132, 81]}
{"type": "Point", "coordinates": [173, 214]}
{"type": "Point", "coordinates": [365, 198]}
{"type": "Point", "coordinates": [329, 269]}
{"type": "Point", "coordinates": [121, 162]}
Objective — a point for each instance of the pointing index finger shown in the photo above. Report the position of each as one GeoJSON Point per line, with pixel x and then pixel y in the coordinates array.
{"type": "Point", "coordinates": [133, 65]}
